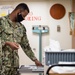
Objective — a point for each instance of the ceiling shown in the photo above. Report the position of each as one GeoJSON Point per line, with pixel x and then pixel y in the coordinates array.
{"type": "Point", "coordinates": [22, 0]}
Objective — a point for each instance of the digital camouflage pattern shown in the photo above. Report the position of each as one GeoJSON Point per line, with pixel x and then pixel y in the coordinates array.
{"type": "Point", "coordinates": [13, 32]}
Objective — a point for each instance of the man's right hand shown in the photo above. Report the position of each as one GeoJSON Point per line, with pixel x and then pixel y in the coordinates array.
{"type": "Point", "coordinates": [12, 45]}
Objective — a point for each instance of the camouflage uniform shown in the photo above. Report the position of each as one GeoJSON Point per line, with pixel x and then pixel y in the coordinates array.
{"type": "Point", "coordinates": [13, 32]}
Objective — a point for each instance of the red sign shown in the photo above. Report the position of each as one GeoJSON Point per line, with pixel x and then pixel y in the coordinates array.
{"type": "Point", "coordinates": [31, 17]}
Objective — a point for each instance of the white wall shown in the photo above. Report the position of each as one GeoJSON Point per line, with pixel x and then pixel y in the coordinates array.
{"type": "Point", "coordinates": [63, 37]}
{"type": "Point", "coordinates": [41, 8]}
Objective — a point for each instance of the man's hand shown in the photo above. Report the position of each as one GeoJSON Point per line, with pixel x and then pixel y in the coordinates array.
{"type": "Point", "coordinates": [38, 63]}
{"type": "Point", "coordinates": [12, 45]}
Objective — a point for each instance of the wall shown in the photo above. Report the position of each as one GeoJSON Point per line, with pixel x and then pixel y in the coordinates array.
{"type": "Point", "coordinates": [73, 37]}
{"type": "Point", "coordinates": [41, 8]}
{"type": "Point", "coordinates": [63, 37]}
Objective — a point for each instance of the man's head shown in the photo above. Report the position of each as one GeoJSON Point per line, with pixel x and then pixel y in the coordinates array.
{"type": "Point", "coordinates": [21, 11]}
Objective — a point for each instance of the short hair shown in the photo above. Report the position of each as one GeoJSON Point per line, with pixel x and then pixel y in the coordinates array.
{"type": "Point", "coordinates": [22, 6]}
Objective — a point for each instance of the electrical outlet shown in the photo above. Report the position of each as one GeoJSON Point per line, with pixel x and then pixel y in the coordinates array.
{"type": "Point", "coordinates": [58, 28]}
{"type": "Point", "coordinates": [34, 49]}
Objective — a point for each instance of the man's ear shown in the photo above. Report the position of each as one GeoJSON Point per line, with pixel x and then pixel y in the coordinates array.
{"type": "Point", "coordinates": [19, 11]}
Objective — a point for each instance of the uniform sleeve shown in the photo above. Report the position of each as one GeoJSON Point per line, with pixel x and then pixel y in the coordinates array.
{"type": "Point", "coordinates": [2, 43]}
{"type": "Point", "coordinates": [26, 46]}
{"type": "Point", "coordinates": [0, 51]}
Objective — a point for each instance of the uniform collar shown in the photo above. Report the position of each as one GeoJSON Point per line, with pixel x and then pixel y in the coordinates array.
{"type": "Point", "coordinates": [13, 24]}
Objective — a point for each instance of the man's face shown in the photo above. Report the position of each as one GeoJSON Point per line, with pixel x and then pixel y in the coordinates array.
{"type": "Point", "coordinates": [22, 15]}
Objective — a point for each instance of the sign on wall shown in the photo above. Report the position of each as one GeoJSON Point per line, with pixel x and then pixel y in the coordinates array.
{"type": "Point", "coordinates": [32, 17]}
{"type": "Point", "coordinates": [72, 23]}
{"type": "Point", "coordinates": [5, 10]}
